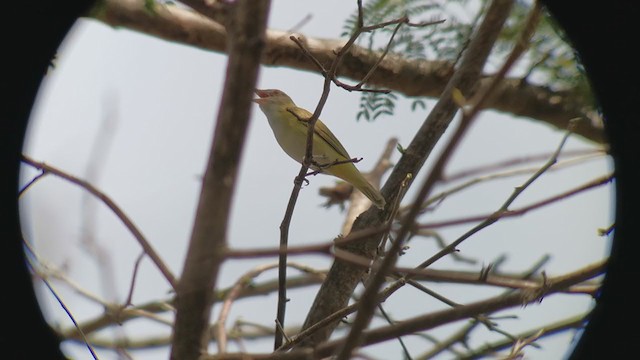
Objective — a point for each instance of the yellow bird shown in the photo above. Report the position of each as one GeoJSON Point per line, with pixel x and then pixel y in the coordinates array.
{"type": "Point", "coordinates": [289, 125]}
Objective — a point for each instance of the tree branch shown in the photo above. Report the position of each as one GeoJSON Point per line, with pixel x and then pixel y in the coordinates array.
{"type": "Point", "coordinates": [462, 82]}
{"type": "Point", "coordinates": [247, 21]}
{"type": "Point", "coordinates": [344, 276]}
{"type": "Point", "coordinates": [128, 223]}
{"type": "Point", "coordinates": [501, 302]}
{"type": "Point", "coordinates": [411, 77]}
{"type": "Point", "coordinates": [432, 320]}
{"type": "Point", "coordinates": [574, 322]}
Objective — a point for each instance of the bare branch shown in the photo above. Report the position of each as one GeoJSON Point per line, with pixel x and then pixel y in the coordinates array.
{"type": "Point", "coordinates": [243, 281]}
{"type": "Point", "coordinates": [414, 325]}
{"type": "Point", "coordinates": [156, 307]}
{"type": "Point", "coordinates": [35, 179]}
{"type": "Point", "coordinates": [146, 246]}
{"type": "Point", "coordinates": [412, 77]}
{"type": "Point", "coordinates": [344, 276]}
{"type": "Point", "coordinates": [575, 322]}
{"type": "Point", "coordinates": [523, 210]}
{"type": "Point", "coordinates": [136, 266]}
{"type": "Point", "coordinates": [63, 306]}
{"type": "Point", "coordinates": [501, 302]}
{"type": "Point", "coordinates": [247, 21]}
{"type": "Point", "coordinates": [499, 213]}
{"type": "Point", "coordinates": [329, 76]}
{"type": "Point", "coordinates": [576, 156]}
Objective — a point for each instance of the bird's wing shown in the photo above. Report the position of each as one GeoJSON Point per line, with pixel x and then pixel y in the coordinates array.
{"type": "Point", "coordinates": [320, 129]}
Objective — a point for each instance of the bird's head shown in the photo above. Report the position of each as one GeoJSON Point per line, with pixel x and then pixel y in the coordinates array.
{"type": "Point", "coordinates": [272, 97]}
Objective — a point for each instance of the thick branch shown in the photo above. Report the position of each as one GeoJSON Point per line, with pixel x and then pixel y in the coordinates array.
{"type": "Point", "coordinates": [518, 298]}
{"type": "Point", "coordinates": [409, 77]}
{"type": "Point", "coordinates": [463, 81]}
{"type": "Point", "coordinates": [344, 276]}
{"type": "Point", "coordinates": [208, 239]}
{"type": "Point", "coordinates": [438, 318]}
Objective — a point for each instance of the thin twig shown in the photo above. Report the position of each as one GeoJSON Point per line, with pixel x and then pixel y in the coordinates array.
{"type": "Point", "coordinates": [242, 282]}
{"type": "Point", "coordinates": [68, 312]}
{"type": "Point", "coordinates": [136, 266]}
{"type": "Point", "coordinates": [521, 45]}
{"type": "Point", "coordinates": [381, 57]}
{"type": "Point", "coordinates": [575, 322]}
{"type": "Point", "coordinates": [580, 155]}
{"type": "Point", "coordinates": [45, 271]}
{"type": "Point", "coordinates": [308, 54]}
{"type": "Point", "coordinates": [500, 175]}
{"type": "Point", "coordinates": [322, 167]}
{"type": "Point", "coordinates": [306, 163]}
{"type": "Point", "coordinates": [478, 49]}
{"type": "Point", "coordinates": [534, 65]}
{"type": "Point", "coordinates": [146, 246]}
{"type": "Point", "coordinates": [446, 193]}
{"type": "Point", "coordinates": [463, 333]}
{"type": "Point", "coordinates": [480, 318]}
{"type": "Point", "coordinates": [428, 321]}
{"type": "Point", "coordinates": [523, 210]}
{"type": "Point", "coordinates": [441, 243]}
{"type": "Point", "coordinates": [33, 181]}
{"type": "Point", "coordinates": [500, 212]}
{"type": "Point", "coordinates": [357, 32]}
{"type": "Point", "coordinates": [407, 354]}
{"type": "Point", "coordinates": [300, 23]}
{"type": "Point", "coordinates": [114, 314]}
{"type": "Point", "coordinates": [500, 302]}
{"type": "Point", "coordinates": [401, 21]}
{"type": "Point", "coordinates": [419, 77]}
{"type": "Point", "coordinates": [323, 248]}
{"type": "Point", "coordinates": [99, 151]}
{"type": "Point", "coordinates": [306, 333]}
{"type": "Point", "coordinates": [148, 310]}
{"type": "Point", "coordinates": [516, 350]}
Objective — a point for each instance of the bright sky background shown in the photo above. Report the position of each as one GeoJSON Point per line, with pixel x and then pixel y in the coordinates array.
{"type": "Point", "coordinates": [160, 101]}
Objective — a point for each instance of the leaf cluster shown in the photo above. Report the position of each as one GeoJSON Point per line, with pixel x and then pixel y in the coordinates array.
{"type": "Point", "coordinates": [550, 60]}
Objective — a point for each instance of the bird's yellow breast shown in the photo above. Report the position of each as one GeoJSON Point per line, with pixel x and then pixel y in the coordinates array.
{"type": "Point", "coordinates": [291, 134]}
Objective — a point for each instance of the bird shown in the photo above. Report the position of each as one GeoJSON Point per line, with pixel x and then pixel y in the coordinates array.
{"type": "Point", "coordinates": [290, 123]}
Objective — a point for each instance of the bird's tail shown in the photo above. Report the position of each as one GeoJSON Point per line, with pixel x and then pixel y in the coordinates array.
{"type": "Point", "coordinates": [356, 179]}
{"type": "Point", "coordinates": [372, 193]}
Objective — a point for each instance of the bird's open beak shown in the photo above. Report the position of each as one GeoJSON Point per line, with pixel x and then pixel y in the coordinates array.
{"type": "Point", "coordinates": [263, 95]}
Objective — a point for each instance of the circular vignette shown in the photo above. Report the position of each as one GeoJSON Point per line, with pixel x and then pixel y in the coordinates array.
{"type": "Point", "coordinates": [601, 36]}
{"type": "Point", "coordinates": [32, 32]}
